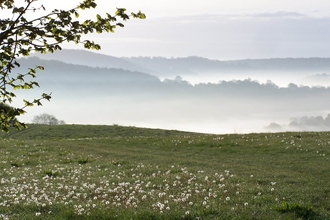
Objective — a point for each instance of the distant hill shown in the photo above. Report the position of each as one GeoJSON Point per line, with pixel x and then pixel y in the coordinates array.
{"type": "Point", "coordinates": [203, 65]}
{"type": "Point", "coordinates": [86, 79]}
{"type": "Point", "coordinates": [169, 67]}
{"type": "Point", "coordinates": [92, 59]}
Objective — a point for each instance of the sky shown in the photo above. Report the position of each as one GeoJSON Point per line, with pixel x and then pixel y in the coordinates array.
{"type": "Point", "coordinates": [173, 8]}
{"type": "Point", "coordinates": [230, 29]}
{"type": "Point", "coordinates": [215, 29]}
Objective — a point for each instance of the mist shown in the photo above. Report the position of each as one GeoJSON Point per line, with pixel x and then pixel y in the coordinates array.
{"type": "Point", "coordinates": [242, 101]}
{"type": "Point", "coordinates": [305, 78]}
{"type": "Point", "coordinates": [206, 116]}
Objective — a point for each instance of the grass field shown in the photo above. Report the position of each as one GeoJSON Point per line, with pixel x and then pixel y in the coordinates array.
{"type": "Point", "coordinates": [115, 172]}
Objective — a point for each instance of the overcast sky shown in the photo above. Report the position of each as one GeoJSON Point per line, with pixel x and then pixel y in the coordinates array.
{"type": "Point", "coordinates": [190, 7]}
{"type": "Point", "coordinates": [216, 29]}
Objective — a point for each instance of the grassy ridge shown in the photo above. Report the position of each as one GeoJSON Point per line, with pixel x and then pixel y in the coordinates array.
{"type": "Point", "coordinates": [83, 131]}
{"type": "Point", "coordinates": [115, 172]}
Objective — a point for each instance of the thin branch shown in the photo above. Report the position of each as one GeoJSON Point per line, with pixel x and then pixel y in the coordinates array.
{"type": "Point", "coordinates": [5, 34]}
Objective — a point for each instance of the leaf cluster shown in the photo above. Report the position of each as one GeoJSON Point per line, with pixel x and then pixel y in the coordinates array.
{"type": "Point", "coordinates": [21, 35]}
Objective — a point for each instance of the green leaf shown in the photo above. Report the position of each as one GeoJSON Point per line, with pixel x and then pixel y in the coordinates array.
{"type": "Point", "coordinates": [27, 103]}
{"type": "Point", "coordinates": [139, 15]}
{"type": "Point", "coordinates": [120, 24]}
{"type": "Point", "coordinates": [18, 10]}
{"type": "Point", "coordinates": [40, 67]}
{"type": "Point", "coordinates": [46, 96]}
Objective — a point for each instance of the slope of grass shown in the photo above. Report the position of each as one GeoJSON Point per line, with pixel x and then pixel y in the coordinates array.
{"type": "Point", "coordinates": [35, 131]}
{"type": "Point", "coordinates": [114, 172]}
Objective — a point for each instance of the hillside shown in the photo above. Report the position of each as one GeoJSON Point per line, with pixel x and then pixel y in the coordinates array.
{"type": "Point", "coordinates": [83, 79]}
{"type": "Point", "coordinates": [171, 67]}
{"type": "Point", "coordinates": [92, 59]}
{"type": "Point", "coordinates": [36, 131]}
{"type": "Point", "coordinates": [98, 172]}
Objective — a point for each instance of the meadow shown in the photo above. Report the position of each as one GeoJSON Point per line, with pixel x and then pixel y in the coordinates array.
{"type": "Point", "coordinates": [116, 172]}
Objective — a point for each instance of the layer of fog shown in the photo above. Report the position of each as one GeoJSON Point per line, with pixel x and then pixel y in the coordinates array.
{"type": "Point", "coordinates": [280, 78]}
{"type": "Point", "coordinates": [204, 114]}
{"type": "Point", "coordinates": [86, 95]}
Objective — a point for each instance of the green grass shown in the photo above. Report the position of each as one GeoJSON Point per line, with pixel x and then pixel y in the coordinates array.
{"type": "Point", "coordinates": [115, 172]}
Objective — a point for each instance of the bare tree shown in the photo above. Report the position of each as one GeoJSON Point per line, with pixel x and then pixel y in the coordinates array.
{"type": "Point", "coordinates": [46, 119]}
